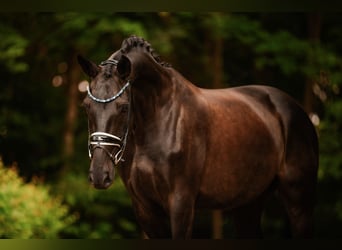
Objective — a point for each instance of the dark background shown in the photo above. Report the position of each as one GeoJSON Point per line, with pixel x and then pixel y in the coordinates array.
{"type": "Point", "coordinates": [43, 128]}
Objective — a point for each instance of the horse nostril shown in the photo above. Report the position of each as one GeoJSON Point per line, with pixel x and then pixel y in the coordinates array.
{"type": "Point", "coordinates": [100, 180]}
{"type": "Point", "coordinates": [90, 178]}
{"type": "Point", "coordinates": [107, 179]}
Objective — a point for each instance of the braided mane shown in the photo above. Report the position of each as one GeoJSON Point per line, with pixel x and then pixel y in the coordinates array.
{"type": "Point", "coordinates": [140, 43]}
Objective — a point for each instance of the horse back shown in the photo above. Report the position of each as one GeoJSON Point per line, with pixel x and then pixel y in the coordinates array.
{"type": "Point", "coordinates": [298, 133]}
{"type": "Point", "coordinates": [254, 131]}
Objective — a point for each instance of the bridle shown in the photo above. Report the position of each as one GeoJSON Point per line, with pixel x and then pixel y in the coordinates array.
{"type": "Point", "coordinates": [101, 139]}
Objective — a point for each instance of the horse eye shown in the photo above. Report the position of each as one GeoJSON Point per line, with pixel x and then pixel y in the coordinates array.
{"type": "Point", "coordinates": [123, 108]}
{"type": "Point", "coordinates": [85, 105]}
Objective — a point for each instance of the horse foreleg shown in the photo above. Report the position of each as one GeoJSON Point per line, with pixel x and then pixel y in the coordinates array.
{"type": "Point", "coordinates": [181, 215]}
{"type": "Point", "coordinates": [152, 220]}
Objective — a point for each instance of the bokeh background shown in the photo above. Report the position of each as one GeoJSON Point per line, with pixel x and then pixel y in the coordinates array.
{"type": "Point", "coordinates": [44, 192]}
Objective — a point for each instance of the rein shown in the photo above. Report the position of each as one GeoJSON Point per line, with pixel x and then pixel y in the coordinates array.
{"type": "Point", "coordinates": [102, 139]}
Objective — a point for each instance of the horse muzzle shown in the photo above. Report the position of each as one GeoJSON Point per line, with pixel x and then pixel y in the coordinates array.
{"type": "Point", "coordinates": [105, 152]}
{"type": "Point", "coordinates": [103, 182]}
{"type": "Point", "coordinates": [101, 179]}
{"type": "Point", "coordinates": [102, 170]}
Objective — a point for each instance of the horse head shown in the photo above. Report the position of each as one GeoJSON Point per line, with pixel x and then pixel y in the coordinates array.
{"type": "Point", "coordinates": [107, 106]}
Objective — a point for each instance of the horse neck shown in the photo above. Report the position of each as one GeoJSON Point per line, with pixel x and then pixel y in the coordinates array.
{"type": "Point", "coordinates": [151, 115]}
{"type": "Point", "coordinates": [145, 99]}
{"type": "Point", "coordinates": [152, 104]}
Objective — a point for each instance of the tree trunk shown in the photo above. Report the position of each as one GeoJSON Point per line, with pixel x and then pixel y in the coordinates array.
{"type": "Point", "coordinates": [217, 224]}
{"type": "Point", "coordinates": [73, 77]}
{"type": "Point", "coordinates": [217, 69]}
{"type": "Point", "coordinates": [217, 65]}
{"type": "Point", "coordinates": [314, 31]}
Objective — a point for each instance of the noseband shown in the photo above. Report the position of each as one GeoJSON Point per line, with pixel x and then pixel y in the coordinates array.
{"type": "Point", "coordinates": [102, 139]}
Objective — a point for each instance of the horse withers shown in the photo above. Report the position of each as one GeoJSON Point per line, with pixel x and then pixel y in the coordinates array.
{"type": "Point", "coordinates": [178, 147]}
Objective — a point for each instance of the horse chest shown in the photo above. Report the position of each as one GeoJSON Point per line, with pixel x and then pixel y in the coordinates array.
{"type": "Point", "coordinates": [149, 179]}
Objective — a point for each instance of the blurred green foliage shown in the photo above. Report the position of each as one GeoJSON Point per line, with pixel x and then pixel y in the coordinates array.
{"type": "Point", "coordinates": [331, 142]}
{"type": "Point", "coordinates": [102, 214]}
{"type": "Point", "coordinates": [27, 210]}
{"type": "Point", "coordinates": [12, 47]}
{"type": "Point", "coordinates": [273, 49]}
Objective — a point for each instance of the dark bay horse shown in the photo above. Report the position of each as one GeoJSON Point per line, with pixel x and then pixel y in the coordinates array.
{"type": "Point", "coordinates": [178, 147]}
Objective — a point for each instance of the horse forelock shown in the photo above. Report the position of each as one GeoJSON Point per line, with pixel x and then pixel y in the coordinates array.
{"type": "Point", "coordinates": [139, 43]}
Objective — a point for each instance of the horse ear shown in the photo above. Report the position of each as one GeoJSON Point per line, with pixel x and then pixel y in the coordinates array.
{"type": "Point", "coordinates": [90, 68]}
{"type": "Point", "coordinates": [124, 67]}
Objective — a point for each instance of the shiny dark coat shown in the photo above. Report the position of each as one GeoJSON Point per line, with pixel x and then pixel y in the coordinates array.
{"type": "Point", "coordinates": [192, 148]}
